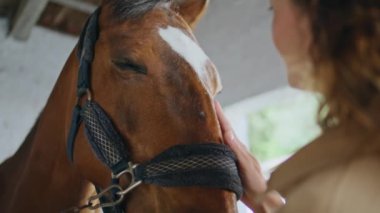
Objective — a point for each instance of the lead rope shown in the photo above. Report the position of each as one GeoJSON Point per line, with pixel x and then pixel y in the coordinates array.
{"type": "Point", "coordinates": [76, 209]}
{"type": "Point", "coordinates": [114, 189]}
{"type": "Point", "coordinates": [91, 201]}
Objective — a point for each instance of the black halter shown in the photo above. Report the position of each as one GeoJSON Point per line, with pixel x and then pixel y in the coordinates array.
{"type": "Point", "coordinates": [205, 164]}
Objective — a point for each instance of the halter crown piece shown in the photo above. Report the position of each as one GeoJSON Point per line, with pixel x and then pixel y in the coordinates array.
{"type": "Point", "coordinates": [206, 164]}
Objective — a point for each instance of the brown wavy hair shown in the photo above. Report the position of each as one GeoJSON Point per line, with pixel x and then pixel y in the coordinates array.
{"type": "Point", "coordinates": [346, 54]}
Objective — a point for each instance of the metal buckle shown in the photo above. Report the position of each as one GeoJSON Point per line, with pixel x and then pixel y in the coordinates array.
{"type": "Point", "coordinates": [91, 206]}
{"type": "Point", "coordinates": [130, 188]}
{"type": "Point", "coordinates": [129, 171]}
{"type": "Point", "coordinates": [88, 95]}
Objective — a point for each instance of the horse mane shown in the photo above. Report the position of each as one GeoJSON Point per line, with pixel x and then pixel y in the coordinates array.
{"type": "Point", "coordinates": [125, 9]}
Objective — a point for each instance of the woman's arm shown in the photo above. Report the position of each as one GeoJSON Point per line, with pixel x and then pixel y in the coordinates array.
{"type": "Point", "coordinates": [255, 194]}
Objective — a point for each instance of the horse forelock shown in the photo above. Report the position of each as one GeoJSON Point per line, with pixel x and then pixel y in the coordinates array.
{"type": "Point", "coordinates": [124, 9]}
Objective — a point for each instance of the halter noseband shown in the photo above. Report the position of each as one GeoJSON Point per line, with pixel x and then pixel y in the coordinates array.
{"type": "Point", "coordinates": [205, 164]}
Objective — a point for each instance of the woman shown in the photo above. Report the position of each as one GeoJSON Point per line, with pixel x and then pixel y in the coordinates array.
{"type": "Point", "coordinates": [331, 47]}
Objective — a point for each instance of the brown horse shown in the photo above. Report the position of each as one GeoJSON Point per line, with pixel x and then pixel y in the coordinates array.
{"type": "Point", "coordinates": [157, 86]}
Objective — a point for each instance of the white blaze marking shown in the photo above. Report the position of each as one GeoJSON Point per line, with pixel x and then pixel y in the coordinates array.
{"type": "Point", "coordinates": [187, 48]}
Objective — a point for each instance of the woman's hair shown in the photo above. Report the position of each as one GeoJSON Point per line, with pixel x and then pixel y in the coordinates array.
{"type": "Point", "coordinates": [346, 55]}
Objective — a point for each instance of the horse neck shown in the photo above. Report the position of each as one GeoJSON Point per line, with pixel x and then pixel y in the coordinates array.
{"type": "Point", "coordinates": [39, 176]}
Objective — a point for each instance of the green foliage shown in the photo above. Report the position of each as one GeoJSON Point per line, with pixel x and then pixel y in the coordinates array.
{"type": "Point", "coordinates": [282, 129]}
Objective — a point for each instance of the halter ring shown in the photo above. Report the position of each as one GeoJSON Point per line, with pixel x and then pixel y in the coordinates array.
{"type": "Point", "coordinates": [92, 206]}
{"type": "Point", "coordinates": [129, 171]}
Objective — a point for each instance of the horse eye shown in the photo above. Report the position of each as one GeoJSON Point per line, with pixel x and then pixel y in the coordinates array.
{"type": "Point", "coordinates": [128, 65]}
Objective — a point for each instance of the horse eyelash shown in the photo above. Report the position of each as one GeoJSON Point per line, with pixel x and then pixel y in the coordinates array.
{"type": "Point", "coordinates": [126, 65]}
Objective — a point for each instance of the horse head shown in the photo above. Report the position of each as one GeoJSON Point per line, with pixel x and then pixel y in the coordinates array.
{"type": "Point", "coordinates": [157, 85]}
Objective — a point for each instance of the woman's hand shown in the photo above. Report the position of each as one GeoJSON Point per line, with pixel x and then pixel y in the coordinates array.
{"type": "Point", "coordinates": [254, 184]}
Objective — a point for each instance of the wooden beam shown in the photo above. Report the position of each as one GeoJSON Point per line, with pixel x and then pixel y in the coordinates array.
{"type": "Point", "coordinates": [28, 13]}
{"type": "Point", "coordinates": [77, 5]}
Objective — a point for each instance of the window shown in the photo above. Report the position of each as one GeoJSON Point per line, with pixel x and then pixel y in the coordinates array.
{"type": "Point", "coordinates": [276, 124]}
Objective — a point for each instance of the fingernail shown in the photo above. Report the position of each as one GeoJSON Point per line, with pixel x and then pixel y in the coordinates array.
{"type": "Point", "coordinates": [217, 104]}
{"type": "Point", "coordinates": [283, 200]}
{"type": "Point", "coordinates": [231, 137]}
{"type": "Point", "coordinates": [274, 200]}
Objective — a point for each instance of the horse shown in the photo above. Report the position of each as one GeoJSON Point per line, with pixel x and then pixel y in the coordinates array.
{"type": "Point", "coordinates": [157, 86]}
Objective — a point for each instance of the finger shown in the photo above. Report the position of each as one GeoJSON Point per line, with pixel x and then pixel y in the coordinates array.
{"type": "Point", "coordinates": [223, 122]}
{"type": "Point", "coordinates": [227, 131]}
{"type": "Point", "coordinates": [273, 201]}
{"type": "Point", "coordinates": [232, 141]}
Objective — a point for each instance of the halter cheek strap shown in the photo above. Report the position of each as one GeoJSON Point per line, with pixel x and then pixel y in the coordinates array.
{"type": "Point", "coordinates": [86, 52]}
{"type": "Point", "coordinates": [85, 55]}
{"type": "Point", "coordinates": [203, 164]}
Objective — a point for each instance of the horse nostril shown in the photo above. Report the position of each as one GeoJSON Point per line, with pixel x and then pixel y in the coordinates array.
{"type": "Point", "coordinates": [202, 115]}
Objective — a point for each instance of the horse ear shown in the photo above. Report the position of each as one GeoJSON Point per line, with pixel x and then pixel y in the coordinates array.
{"type": "Point", "coordinates": [191, 10]}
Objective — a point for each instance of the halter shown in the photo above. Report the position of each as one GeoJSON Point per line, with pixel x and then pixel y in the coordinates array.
{"type": "Point", "coordinates": [205, 164]}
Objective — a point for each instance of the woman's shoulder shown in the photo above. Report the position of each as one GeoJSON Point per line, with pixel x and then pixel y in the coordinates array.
{"type": "Point", "coordinates": [363, 171]}
{"type": "Point", "coordinates": [335, 147]}
{"type": "Point", "coordinates": [357, 174]}
{"type": "Point", "coordinates": [353, 186]}
{"type": "Point", "coordinates": [338, 172]}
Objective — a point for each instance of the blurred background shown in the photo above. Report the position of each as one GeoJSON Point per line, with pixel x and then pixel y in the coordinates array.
{"type": "Point", "coordinates": [36, 37]}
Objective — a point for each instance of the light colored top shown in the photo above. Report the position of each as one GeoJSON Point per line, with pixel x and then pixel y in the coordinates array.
{"type": "Point", "coordinates": [338, 172]}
